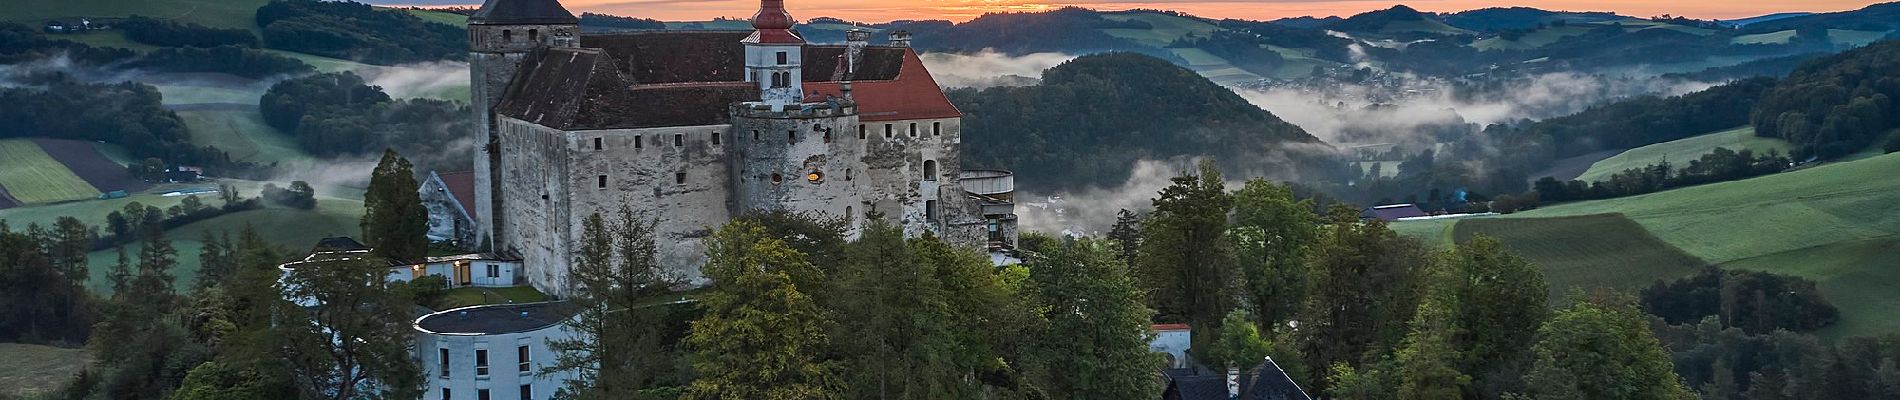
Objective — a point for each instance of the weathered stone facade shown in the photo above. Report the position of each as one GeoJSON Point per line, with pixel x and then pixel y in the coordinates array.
{"type": "Point", "coordinates": [674, 127]}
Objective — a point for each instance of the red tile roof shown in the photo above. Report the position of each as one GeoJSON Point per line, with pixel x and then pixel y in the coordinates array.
{"type": "Point", "coordinates": [461, 185]}
{"type": "Point", "coordinates": [914, 94]}
{"type": "Point", "coordinates": [1169, 327]}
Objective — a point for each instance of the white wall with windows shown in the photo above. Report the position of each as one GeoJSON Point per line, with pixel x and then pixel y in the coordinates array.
{"type": "Point", "coordinates": [467, 366]}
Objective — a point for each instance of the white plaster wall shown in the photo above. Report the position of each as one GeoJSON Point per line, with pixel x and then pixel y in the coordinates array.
{"type": "Point", "coordinates": [645, 179]}
{"type": "Point", "coordinates": [504, 377]}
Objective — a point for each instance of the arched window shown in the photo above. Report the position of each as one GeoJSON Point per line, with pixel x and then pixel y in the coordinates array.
{"type": "Point", "coordinates": [777, 80]}
{"type": "Point", "coordinates": [930, 170]}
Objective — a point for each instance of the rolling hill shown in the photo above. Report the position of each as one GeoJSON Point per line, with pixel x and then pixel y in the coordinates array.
{"type": "Point", "coordinates": [1683, 150]}
{"type": "Point", "coordinates": [1832, 223]}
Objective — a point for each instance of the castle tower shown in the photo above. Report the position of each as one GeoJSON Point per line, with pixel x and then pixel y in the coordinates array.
{"type": "Point", "coordinates": [772, 56]}
{"type": "Point", "coordinates": [500, 36]}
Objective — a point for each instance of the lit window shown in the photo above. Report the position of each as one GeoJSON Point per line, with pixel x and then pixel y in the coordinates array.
{"type": "Point", "coordinates": [814, 176]}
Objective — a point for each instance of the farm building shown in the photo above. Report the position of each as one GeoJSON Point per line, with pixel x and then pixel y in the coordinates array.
{"type": "Point", "coordinates": [1392, 212]}
{"type": "Point", "coordinates": [182, 174]}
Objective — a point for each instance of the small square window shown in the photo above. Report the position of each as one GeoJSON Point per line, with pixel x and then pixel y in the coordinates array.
{"type": "Point", "coordinates": [601, 182]}
{"type": "Point", "coordinates": [679, 139]}
{"type": "Point", "coordinates": [715, 138]}
{"type": "Point", "coordinates": [481, 394]}
{"type": "Point", "coordinates": [679, 178]}
{"type": "Point", "coordinates": [597, 145]}
{"type": "Point", "coordinates": [783, 58]}
{"type": "Point", "coordinates": [637, 143]}
{"type": "Point", "coordinates": [791, 136]}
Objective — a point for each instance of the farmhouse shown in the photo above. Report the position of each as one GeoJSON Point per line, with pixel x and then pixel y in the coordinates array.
{"type": "Point", "coordinates": [1392, 212]}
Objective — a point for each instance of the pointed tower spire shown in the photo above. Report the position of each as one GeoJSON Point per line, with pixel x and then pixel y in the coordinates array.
{"type": "Point", "coordinates": [773, 25]}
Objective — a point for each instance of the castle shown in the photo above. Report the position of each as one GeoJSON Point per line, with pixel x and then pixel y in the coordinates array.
{"type": "Point", "coordinates": [692, 128]}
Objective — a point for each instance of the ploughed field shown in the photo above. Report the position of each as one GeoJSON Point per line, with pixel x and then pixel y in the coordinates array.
{"type": "Point", "coordinates": [41, 171]}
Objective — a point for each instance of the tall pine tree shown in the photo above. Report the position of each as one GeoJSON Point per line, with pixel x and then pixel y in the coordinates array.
{"type": "Point", "coordinates": [761, 337]}
{"type": "Point", "coordinates": [394, 221]}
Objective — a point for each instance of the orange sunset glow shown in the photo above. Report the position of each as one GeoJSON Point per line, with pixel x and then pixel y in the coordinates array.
{"type": "Point", "coordinates": [960, 10]}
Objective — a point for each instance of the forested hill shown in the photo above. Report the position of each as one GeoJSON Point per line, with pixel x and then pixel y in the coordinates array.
{"type": "Point", "coordinates": [1836, 105]}
{"type": "Point", "coordinates": [1093, 117]}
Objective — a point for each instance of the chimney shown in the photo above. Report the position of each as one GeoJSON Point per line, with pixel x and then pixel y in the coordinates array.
{"type": "Point", "coordinates": [855, 40]}
{"type": "Point", "coordinates": [900, 38]}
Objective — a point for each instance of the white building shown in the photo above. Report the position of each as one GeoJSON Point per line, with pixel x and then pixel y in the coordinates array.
{"type": "Point", "coordinates": [492, 352]}
{"type": "Point", "coordinates": [466, 270]}
{"type": "Point", "coordinates": [1173, 340]}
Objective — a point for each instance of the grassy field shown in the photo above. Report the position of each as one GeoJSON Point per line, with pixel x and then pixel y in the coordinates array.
{"type": "Point", "coordinates": [215, 13]}
{"type": "Point", "coordinates": [440, 17]}
{"type": "Point", "coordinates": [199, 94]}
{"type": "Point", "coordinates": [34, 369]}
{"type": "Point", "coordinates": [1765, 38]}
{"type": "Point", "coordinates": [472, 296]}
{"type": "Point", "coordinates": [243, 134]}
{"type": "Point", "coordinates": [292, 228]}
{"type": "Point", "coordinates": [1838, 36]}
{"type": "Point", "coordinates": [1533, 39]}
{"type": "Point", "coordinates": [1681, 151]}
{"type": "Point", "coordinates": [32, 176]}
{"type": "Point", "coordinates": [1586, 252]}
{"type": "Point", "coordinates": [1164, 29]}
{"type": "Point", "coordinates": [323, 64]}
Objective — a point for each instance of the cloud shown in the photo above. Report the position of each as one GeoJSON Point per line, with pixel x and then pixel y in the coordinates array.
{"type": "Point", "coordinates": [989, 68]}
{"type": "Point", "coordinates": [1091, 212]}
{"type": "Point", "coordinates": [426, 79]}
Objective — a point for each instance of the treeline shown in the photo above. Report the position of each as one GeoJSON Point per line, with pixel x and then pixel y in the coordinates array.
{"type": "Point", "coordinates": [596, 20]}
{"type": "Point", "coordinates": [1240, 48]}
{"type": "Point", "coordinates": [359, 32]}
{"type": "Point", "coordinates": [339, 114]}
{"type": "Point", "coordinates": [1094, 116]}
{"type": "Point", "coordinates": [168, 33]}
{"type": "Point", "coordinates": [1631, 123]}
{"type": "Point", "coordinates": [22, 44]}
{"type": "Point", "coordinates": [1378, 315]}
{"type": "Point", "coordinates": [1720, 165]}
{"type": "Point", "coordinates": [1070, 30]}
{"type": "Point", "coordinates": [1836, 105]}
{"type": "Point", "coordinates": [43, 273]}
{"type": "Point", "coordinates": [127, 114]}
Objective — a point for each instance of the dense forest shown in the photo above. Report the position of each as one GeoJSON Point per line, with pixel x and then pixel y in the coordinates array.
{"type": "Point", "coordinates": [1631, 123]}
{"type": "Point", "coordinates": [168, 33]}
{"type": "Point", "coordinates": [1066, 30]}
{"type": "Point", "coordinates": [1836, 105]}
{"type": "Point", "coordinates": [1093, 117]}
{"type": "Point", "coordinates": [128, 114]}
{"type": "Point", "coordinates": [357, 31]}
{"type": "Point", "coordinates": [22, 44]}
{"type": "Point", "coordinates": [335, 114]}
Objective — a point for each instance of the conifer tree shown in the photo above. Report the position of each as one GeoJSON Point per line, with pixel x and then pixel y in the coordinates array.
{"type": "Point", "coordinates": [621, 348]}
{"type": "Point", "coordinates": [761, 337]}
{"type": "Point", "coordinates": [1185, 262]}
{"type": "Point", "coordinates": [394, 221]}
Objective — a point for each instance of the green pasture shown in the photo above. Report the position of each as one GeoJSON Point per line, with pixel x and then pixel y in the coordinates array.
{"type": "Point", "coordinates": [243, 134]}
{"type": "Point", "coordinates": [1679, 152]}
{"type": "Point", "coordinates": [475, 296]}
{"type": "Point", "coordinates": [1533, 39]}
{"type": "Point", "coordinates": [36, 369]}
{"type": "Point", "coordinates": [294, 229]}
{"type": "Point", "coordinates": [215, 13]}
{"type": "Point", "coordinates": [202, 94]}
{"type": "Point", "coordinates": [34, 177]}
{"type": "Point", "coordinates": [1164, 29]}
{"type": "Point", "coordinates": [1586, 252]}
{"type": "Point", "coordinates": [457, 20]}
{"type": "Point", "coordinates": [1765, 38]}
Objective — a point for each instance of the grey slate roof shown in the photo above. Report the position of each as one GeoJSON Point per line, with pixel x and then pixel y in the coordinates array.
{"type": "Point", "coordinates": [523, 12]}
{"type": "Point", "coordinates": [496, 319]}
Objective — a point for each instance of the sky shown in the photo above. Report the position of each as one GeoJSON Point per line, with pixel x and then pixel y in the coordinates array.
{"type": "Point", "coordinates": [961, 10]}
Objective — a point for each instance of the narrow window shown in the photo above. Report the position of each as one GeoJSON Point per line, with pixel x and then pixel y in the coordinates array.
{"type": "Point", "coordinates": [527, 392]}
{"type": "Point", "coordinates": [597, 145]}
{"type": "Point", "coordinates": [827, 136]}
{"type": "Point", "coordinates": [930, 210]}
{"type": "Point", "coordinates": [913, 129]}
{"type": "Point", "coordinates": [775, 80]}
{"type": "Point", "coordinates": [602, 181]}
{"type": "Point", "coordinates": [930, 170]}
{"type": "Point", "coordinates": [679, 139]}
{"type": "Point", "coordinates": [521, 353]}
{"type": "Point", "coordinates": [848, 216]}
{"type": "Point", "coordinates": [443, 359]}
{"type": "Point", "coordinates": [481, 394]}
{"type": "Point", "coordinates": [507, 36]}
{"type": "Point", "coordinates": [791, 136]}
{"type": "Point", "coordinates": [637, 143]}
{"type": "Point", "coordinates": [860, 131]}
{"type": "Point", "coordinates": [936, 128]}
{"type": "Point", "coordinates": [481, 362]}
{"type": "Point", "coordinates": [534, 35]}
{"type": "Point", "coordinates": [679, 178]}
{"type": "Point", "coordinates": [755, 135]}
{"type": "Point", "coordinates": [783, 58]}
{"type": "Point", "coordinates": [715, 138]}
{"type": "Point", "coordinates": [445, 393]}
{"type": "Point", "coordinates": [887, 131]}
{"type": "Point", "coordinates": [847, 174]}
